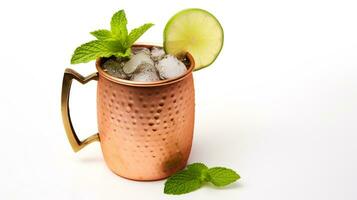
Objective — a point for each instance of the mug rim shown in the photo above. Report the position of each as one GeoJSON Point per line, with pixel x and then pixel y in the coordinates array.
{"type": "Point", "coordinates": [145, 84]}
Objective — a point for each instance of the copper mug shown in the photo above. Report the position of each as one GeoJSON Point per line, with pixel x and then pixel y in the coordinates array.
{"type": "Point", "coordinates": [145, 129]}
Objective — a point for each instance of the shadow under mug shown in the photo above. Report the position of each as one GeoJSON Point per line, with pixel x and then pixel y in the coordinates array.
{"type": "Point", "coordinates": [145, 129]}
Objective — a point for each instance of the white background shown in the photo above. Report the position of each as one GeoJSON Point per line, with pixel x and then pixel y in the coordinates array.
{"type": "Point", "coordinates": [279, 105]}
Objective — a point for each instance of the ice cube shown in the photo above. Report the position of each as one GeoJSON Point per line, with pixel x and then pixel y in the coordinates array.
{"type": "Point", "coordinates": [136, 50]}
{"type": "Point", "coordinates": [135, 61]}
{"type": "Point", "coordinates": [115, 68]}
{"type": "Point", "coordinates": [145, 73]}
{"type": "Point", "coordinates": [170, 67]}
{"type": "Point", "coordinates": [157, 53]}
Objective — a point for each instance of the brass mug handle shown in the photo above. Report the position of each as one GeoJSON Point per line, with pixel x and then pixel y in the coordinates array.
{"type": "Point", "coordinates": [73, 139]}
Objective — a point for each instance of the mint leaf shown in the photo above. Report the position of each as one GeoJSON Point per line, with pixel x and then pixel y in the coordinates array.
{"type": "Point", "coordinates": [94, 49]}
{"type": "Point", "coordinates": [118, 26]}
{"type": "Point", "coordinates": [136, 33]}
{"type": "Point", "coordinates": [125, 54]}
{"type": "Point", "coordinates": [183, 182]}
{"type": "Point", "coordinates": [197, 166]}
{"type": "Point", "coordinates": [201, 169]}
{"type": "Point", "coordinates": [196, 175]}
{"type": "Point", "coordinates": [102, 34]}
{"type": "Point", "coordinates": [221, 176]}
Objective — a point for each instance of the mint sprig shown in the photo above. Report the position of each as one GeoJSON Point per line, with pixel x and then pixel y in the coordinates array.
{"type": "Point", "coordinates": [114, 42]}
{"type": "Point", "coordinates": [195, 175]}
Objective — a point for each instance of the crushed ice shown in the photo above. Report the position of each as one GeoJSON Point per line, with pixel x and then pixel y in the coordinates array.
{"type": "Point", "coordinates": [146, 65]}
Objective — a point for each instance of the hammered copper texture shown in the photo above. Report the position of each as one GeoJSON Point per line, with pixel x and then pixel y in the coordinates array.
{"type": "Point", "coordinates": [146, 132]}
